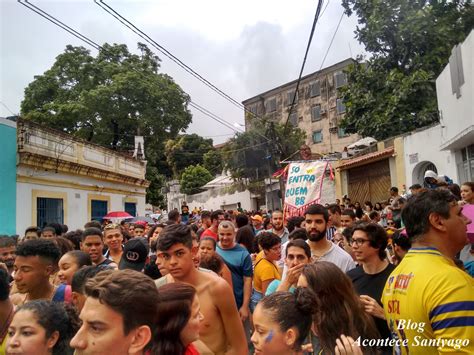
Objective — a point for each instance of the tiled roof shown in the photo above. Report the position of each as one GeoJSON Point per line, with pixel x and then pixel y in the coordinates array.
{"type": "Point", "coordinates": [366, 159]}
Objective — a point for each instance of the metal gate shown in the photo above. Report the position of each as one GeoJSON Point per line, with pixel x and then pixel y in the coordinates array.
{"type": "Point", "coordinates": [370, 182]}
{"type": "Point", "coordinates": [49, 210]}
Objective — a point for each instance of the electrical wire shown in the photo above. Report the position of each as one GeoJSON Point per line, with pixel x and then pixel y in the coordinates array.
{"type": "Point", "coordinates": [98, 47]}
{"type": "Point", "coordinates": [316, 16]}
{"type": "Point", "coordinates": [332, 40]}
{"type": "Point", "coordinates": [111, 11]}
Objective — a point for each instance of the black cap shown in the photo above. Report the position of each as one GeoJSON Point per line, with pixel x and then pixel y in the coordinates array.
{"type": "Point", "coordinates": [135, 253]}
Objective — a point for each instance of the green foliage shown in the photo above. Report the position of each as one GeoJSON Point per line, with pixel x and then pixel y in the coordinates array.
{"type": "Point", "coordinates": [410, 43]}
{"type": "Point", "coordinates": [251, 155]}
{"type": "Point", "coordinates": [154, 193]}
{"type": "Point", "coordinates": [193, 178]}
{"type": "Point", "coordinates": [213, 161]}
{"type": "Point", "coordinates": [109, 98]}
{"type": "Point", "coordinates": [186, 150]}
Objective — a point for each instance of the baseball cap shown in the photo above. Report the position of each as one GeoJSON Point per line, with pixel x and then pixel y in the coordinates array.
{"type": "Point", "coordinates": [135, 253]}
{"type": "Point", "coordinates": [257, 218]}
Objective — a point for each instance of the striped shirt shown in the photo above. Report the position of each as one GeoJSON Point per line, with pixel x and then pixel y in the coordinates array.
{"type": "Point", "coordinates": [429, 305]}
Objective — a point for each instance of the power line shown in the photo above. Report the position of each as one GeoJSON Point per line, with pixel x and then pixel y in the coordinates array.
{"type": "Point", "coordinates": [111, 11]}
{"type": "Point", "coordinates": [98, 47]}
{"type": "Point", "coordinates": [332, 40]}
{"type": "Point", "coordinates": [4, 105]}
{"type": "Point", "coordinates": [316, 16]}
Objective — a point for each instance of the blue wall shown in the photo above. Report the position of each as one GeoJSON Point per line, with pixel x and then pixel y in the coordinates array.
{"type": "Point", "coordinates": [7, 177]}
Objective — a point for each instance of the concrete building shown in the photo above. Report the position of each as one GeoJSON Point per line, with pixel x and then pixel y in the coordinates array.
{"type": "Point", "coordinates": [7, 176]}
{"type": "Point", "coordinates": [220, 193]}
{"type": "Point", "coordinates": [448, 148]}
{"type": "Point", "coordinates": [318, 109]}
{"type": "Point", "coordinates": [67, 180]}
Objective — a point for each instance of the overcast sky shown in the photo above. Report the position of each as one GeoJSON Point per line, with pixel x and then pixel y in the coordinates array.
{"type": "Point", "coordinates": [243, 47]}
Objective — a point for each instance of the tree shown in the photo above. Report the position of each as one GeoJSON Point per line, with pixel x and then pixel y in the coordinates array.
{"type": "Point", "coordinates": [256, 153]}
{"type": "Point", "coordinates": [186, 150]}
{"type": "Point", "coordinates": [154, 193]}
{"type": "Point", "coordinates": [410, 43]}
{"type": "Point", "coordinates": [213, 161]}
{"type": "Point", "coordinates": [109, 98]}
{"type": "Point", "coordinates": [193, 178]}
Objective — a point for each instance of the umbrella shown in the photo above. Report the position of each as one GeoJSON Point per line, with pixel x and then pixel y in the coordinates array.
{"type": "Point", "coordinates": [117, 215]}
{"type": "Point", "coordinates": [146, 219]}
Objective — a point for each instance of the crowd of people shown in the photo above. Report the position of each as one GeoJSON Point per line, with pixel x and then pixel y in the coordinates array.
{"type": "Point", "coordinates": [391, 277]}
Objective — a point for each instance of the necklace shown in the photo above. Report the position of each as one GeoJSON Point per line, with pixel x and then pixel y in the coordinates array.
{"type": "Point", "coordinates": [3, 333]}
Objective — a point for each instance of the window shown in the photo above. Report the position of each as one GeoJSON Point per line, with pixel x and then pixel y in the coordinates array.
{"type": "Point", "coordinates": [294, 119]}
{"type": "Point", "coordinates": [466, 166]}
{"type": "Point", "coordinates": [315, 89]}
{"type": "Point", "coordinates": [316, 113]}
{"type": "Point", "coordinates": [317, 136]}
{"type": "Point", "coordinates": [340, 79]}
{"type": "Point", "coordinates": [456, 71]}
{"type": "Point", "coordinates": [341, 132]}
{"type": "Point", "coordinates": [253, 109]}
{"type": "Point", "coordinates": [98, 209]}
{"type": "Point", "coordinates": [290, 96]}
{"type": "Point", "coordinates": [131, 208]}
{"type": "Point", "coordinates": [270, 105]}
{"type": "Point", "coordinates": [49, 210]}
{"type": "Point", "coordinates": [340, 107]}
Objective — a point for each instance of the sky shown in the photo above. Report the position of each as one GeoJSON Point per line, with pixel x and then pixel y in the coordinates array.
{"type": "Point", "coordinates": [243, 47]}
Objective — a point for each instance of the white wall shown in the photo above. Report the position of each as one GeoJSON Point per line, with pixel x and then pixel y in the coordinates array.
{"type": "Point", "coordinates": [210, 200]}
{"type": "Point", "coordinates": [457, 114]}
{"type": "Point", "coordinates": [425, 144]}
{"type": "Point", "coordinates": [77, 199]}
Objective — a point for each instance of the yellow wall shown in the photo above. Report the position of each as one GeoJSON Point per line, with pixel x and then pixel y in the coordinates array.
{"type": "Point", "coordinates": [400, 162]}
{"type": "Point", "coordinates": [47, 194]}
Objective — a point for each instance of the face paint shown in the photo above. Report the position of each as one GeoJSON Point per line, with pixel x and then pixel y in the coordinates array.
{"type": "Point", "coordinates": [269, 337]}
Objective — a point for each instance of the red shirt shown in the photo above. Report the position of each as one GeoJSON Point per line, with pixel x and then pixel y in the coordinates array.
{"type": "Point", "coordinates": [209, 234]}
{"type": "Point", "coordinates": [191, 350]}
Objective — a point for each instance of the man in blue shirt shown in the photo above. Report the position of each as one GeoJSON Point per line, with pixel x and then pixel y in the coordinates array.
{"type": "Point", "coordinates": [239, 263]}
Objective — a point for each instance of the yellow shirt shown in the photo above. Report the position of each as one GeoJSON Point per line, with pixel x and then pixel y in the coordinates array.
{"type": "Point", "coordinates": [429, 305]}
{"type": "Point", "coordinates": [3, 346]}
{"type": "Point", "coordinates": [264, 270]}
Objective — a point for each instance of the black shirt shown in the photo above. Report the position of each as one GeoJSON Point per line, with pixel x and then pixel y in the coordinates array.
{"type": "Point", "coordinates": [372, 286]}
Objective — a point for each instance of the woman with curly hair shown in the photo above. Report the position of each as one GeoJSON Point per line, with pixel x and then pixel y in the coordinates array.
{"type": "Point", "coordinates": [179, 317]}
{"type": "Point", "coordinates": [42, 328]}
{"type": "Point", "coordinates": [337, 305]}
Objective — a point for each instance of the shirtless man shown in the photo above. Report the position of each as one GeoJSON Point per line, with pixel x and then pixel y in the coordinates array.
{"type": "Point", "coordinates": [221, 330]}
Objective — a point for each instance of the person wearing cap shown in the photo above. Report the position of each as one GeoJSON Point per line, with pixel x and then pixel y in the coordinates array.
{"type": "Point", "coordinates": [257, 223]}
{"type": "Point", "coordinates": [135, 254]}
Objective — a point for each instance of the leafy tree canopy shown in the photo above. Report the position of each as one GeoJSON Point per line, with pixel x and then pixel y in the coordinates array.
{"type": "Point", "coordinates": [193, 178]}
{"type": "Point", "coordinates": [186, 150]}
{"type": "Point", "coordinates": [410, 43]}
{"type": "Point", "coordinates": [256, 153]}
{"type": "Point", "coordinates": [213, 161]}
{"type": "Point", "coordinates": [109, 98]}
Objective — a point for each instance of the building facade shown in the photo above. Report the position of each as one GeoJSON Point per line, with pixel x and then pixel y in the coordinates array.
{"type": "Point", "coordinates": [69, 181]}
{"type": "Point", "coordinates": [450, 148]}
{"type": "Point", "coordinates": [318, 109]}
{"type": "Point", "coordinates": [7, 176]}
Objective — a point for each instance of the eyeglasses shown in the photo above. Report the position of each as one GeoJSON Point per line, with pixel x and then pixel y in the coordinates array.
{"type": "Point", "coordinates": [359, 242]}
{"type": "Point", "coordinates": [390, 223]}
